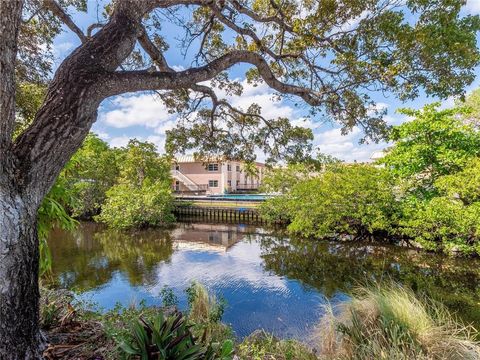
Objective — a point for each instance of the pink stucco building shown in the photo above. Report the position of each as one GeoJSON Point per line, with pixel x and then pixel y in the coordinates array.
{"type": "Point", "coordinates": [214, 177]}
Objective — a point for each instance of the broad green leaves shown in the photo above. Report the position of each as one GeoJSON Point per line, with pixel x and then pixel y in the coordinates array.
{"type": "Point", "coordinates": [344, 199]}
{"type": "Point", "coordinates": [435, 143]}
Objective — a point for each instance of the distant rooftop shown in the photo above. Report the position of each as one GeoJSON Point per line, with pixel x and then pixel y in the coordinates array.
{"type": "Point", "coordinates": [380, 153]}
{"type": "Point", "coordinates": [377, 155]}
{"type": "Point", "coordinates": [185, 159]}
{"type": "Point", "coordinates": [191, 159]}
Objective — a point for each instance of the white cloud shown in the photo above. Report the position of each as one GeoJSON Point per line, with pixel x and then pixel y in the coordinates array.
{"type": "Point", "coordinates": [178, 67]}
{"type": "Point", "coordinates": [61, 49]}
{"type": "Point", "coordinates": [261, 95]}
{"type": "Point", "coordinates": [473, 6]}
{"type": "Point", "coordinates": [159, 142]}
{"type": "Point", "coordinates": [379, 107]}
{"type": "Point", "coordinates": [167, 125]}
{"type": "Point", "coordinates": [449, 102]}
{"type": "Point", "coordinates": [119, 141]}
{"type": "Point", "coordinates": [102, 135]}
{"type": "Point", "coordinates": [352, 23]}
{"type": "Point", "coordinates": [345, 147]}
{"type": "Point", "coordinates": [131, 110]}
{"type": "Point", "coordinates": [306, 123]}
{"type": "Point", "coordinates": [146, 111]}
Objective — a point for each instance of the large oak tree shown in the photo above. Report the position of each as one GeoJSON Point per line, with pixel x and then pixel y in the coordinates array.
{"type": "Point", "coordinates": [329, 54]}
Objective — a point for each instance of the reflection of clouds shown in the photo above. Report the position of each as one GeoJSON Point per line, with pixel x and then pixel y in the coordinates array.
{"type": "Point", "coordinates": [256, 298]}
{"type": "Point", "coordinates": [238, 267]}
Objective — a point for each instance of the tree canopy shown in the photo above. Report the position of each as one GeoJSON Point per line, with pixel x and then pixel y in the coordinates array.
{"type": "Point", "coordinates": [435, 143]}
{"type": "Point", "coordinates": [331, 55]}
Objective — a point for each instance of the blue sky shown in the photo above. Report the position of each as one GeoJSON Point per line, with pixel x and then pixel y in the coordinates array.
{"type": "Point", "coordinates": [141, 116]}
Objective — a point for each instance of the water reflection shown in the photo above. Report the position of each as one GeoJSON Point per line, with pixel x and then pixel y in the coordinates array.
{"type": "Point", "coordinates": [331, 267]}
{"type": "Point", "coordinates": [268, 280]}
{"type": "Point", "coordinates": [90, 255]}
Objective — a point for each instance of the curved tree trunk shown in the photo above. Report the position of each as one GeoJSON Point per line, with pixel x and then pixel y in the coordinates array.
{"type": "Point", "coordinates": [19, 294]}
{"type": "Point", "coordinates": [30, 165]}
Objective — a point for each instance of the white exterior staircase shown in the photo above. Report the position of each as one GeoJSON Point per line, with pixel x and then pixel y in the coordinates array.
{"type": "Point", "coordinates": [191, 185]}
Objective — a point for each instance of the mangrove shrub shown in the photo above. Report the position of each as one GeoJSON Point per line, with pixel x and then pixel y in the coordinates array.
{"type": "Point", "coordinates": [345, 199]}
{"type": "Point", "coordinates": [142, 195]}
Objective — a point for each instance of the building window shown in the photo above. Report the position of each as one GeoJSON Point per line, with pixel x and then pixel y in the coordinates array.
{"type": "Point", "coordinates": [212, 183]}
{"type": "Point", "coordinates": [238, 182]}
{"type": "Point", "coordinates": [229, 167]}
{"type": "Point", "coordinates": [212, 167]}
{"type": "Point", "coordinates": [229, 182]}
{"type": "Point", "coordinates": [238, 168]}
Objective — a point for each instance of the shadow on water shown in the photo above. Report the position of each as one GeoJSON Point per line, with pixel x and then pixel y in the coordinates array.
{"type": "Point", "coordinates": [269, 280]}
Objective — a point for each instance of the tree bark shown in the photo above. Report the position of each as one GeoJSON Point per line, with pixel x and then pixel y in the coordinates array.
{"type": "Point", "coordinates": [19, 294]}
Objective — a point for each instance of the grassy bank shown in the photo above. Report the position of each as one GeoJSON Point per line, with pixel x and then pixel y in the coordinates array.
{"type": "Point", "coordinates": [386, 322]}
{"type": "Point", "coordinates": [390, 322]}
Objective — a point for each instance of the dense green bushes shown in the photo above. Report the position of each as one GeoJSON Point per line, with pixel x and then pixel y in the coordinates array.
{"type": "Point", "coordinates": [425, 190]}
{"type": "Point", "coordinates": [142, 195]}
{"type": "Point", "coordinates": [92, 170]}
{"type": "Point", "coordinates": [354, 200]}
{"type": "Point", "coordinates": [126, 187]}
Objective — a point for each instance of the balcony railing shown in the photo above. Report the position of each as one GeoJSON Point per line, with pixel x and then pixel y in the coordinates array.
{"type": "Point", "coordinates": [247, 186]}
{"type": "Point", "coordinates": [191, 188]}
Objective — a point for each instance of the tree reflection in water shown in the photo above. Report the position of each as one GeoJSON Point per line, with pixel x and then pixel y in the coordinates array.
{"type": "Point", "coordinates": [87, 257]}
{"type": "Point", "coordinates": [332, 266]}
{"type": "Point", "coordinates": [90, 256]}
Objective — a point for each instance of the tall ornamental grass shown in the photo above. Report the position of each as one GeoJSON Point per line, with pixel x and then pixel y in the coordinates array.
{"type": "Point", "coordinates": [390, 322]}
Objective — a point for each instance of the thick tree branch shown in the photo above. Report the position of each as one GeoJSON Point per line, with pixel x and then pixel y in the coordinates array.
{"type": "Point", "coordinates": [258, 42]}
{"type": "Point", "coordinates": [93, 27]}
{"type": "Point", "coordinates": [57, 10]}
{"type": "Point", "coordinates": [149, 5]}
{"type": "Point", "coordinates": [129, 81]}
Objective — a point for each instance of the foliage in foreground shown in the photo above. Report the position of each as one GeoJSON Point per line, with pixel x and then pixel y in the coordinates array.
{"type": "Point", "coordinates": [198, 334]}
{"type": "Point", "coordinates": [390, 322]}
{"type": "Point", "coordinates": [379, 322]}
{"type": "Point", "coordinates": [263, 346]}
{"type": "Point", "coordinates": [162, 338]}
{"type": "Point", "coordinates": [425, 190]}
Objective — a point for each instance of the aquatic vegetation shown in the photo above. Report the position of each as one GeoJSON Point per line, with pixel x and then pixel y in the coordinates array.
{"type": "Point", "coordinates": [383, 321]}
{"type": "Point", "coordinates": [203, 306]}
{"type": "Point", "coordinates": [390, 322]}
{"type": "Point", "coordinates": [205, 313]}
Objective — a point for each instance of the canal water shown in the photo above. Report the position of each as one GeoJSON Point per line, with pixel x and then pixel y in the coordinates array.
{"type": "Point", "coordinates": [268, 280]}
